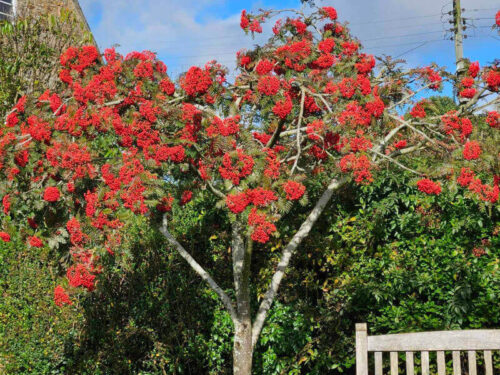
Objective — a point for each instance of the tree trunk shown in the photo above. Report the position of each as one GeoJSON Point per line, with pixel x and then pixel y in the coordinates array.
{"type": "Point", "coordinates": [242, 348]}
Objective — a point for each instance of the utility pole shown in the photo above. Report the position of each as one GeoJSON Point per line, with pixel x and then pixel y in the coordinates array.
{"type": "Point", "coordinates": [458, 38]}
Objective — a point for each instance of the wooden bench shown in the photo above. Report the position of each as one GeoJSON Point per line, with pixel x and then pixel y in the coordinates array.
{"type": "Point", "coordinates": [424, 342]}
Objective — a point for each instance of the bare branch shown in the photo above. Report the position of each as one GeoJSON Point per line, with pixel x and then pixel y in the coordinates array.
{"type": "Point", "coordinates": [386, 139]}
{"type": "Point", "coordinates": [276, 135]}
{"type": "Point", "coordinates": [212, 188]}
{"type": "Point", "coordinates": [206, 110]}
{"type": "Point", "coordinates": [395, 162]}
{"type": "Point", "coordinates": [198, 269]}
{"type": "Point", "coordinates": [494, 101]}
{"type": "Point", "coordinates": [412, 128]}
{"type": "Point", "coordinates": [410, 149]}
{"type": "Point", "coordinates": [409, 96]}
{"type": "Point", "coordinates": [288, 132]}
{"type": "Point", "coordinates": [321, 98]}
{"type": "Point", "coordinates": [234, 106]}
{"type": "Point", "coordinates": [21, 144]}
{"type": "Point", "coordinates": [299, 122]}
{"type": "Point", "coordinates": [289, 250]}
{"type": "Point", "coordinates": [109, 104]}
{"type": "Point", "coordinates": [471, 102]}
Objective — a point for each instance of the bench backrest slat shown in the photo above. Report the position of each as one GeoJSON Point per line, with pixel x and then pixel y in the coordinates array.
{"type": "Point", "coordinates": [441, 342]}
{"type": "Point", "coordinates": [488, 363]}
{"type": "Point", "coordinates": [410, 363]}
{"type": "Point", "coordinates": [457, 368]}
{"type": "Point", "coordinates": [472, 362]}
{"type": "Point", "coordinates": [481, 339]}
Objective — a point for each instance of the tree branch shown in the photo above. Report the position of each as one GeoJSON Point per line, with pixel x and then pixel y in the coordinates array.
{"type": "Point", "coordinates": [112, 103]}
{"type": "Point", "coordinates": [276, 135]}
{"type": "Point", "coordinates": [381, 145]}
{"type": "Point", "coordinates": [293, 131]}
{"type": "Point", "coordinates": [412, 128]}
{"type": "Point", "coordinates": [212, 188]}
{"type": "Point", "coordinates": [389, 136]}
{"type": "Point", "coordinates": [494, 101]}
{"type": "Point", "coordinates": [464, 107]}
{"type": "Point", "coordinates": [299, 122]}
{"type": "Point", "coordinates": [409, 96]}
{"type": "Point", "coordinates": [395, 162]}
{"type": "Point", "coordinates": [289, 250]}
{"type": "Point", "coordinates": [198, 269]}
{"type": "Point", "coordinates": [321, 98]}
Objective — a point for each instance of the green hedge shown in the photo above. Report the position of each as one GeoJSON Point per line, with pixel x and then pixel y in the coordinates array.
{"type": "Point", "coordinates": [385, 255]}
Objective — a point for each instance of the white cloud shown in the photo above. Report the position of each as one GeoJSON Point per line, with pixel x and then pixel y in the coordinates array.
{"type": "Point", "coordinates": [170, 28]}
{"type": "Point", "coordinates": [397, 26]}
{"type": "Point", "coordinates": [175, 30]}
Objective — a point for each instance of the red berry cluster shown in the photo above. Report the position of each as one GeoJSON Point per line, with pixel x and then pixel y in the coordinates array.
{"type": "Point", "coordinates": [428, 186]}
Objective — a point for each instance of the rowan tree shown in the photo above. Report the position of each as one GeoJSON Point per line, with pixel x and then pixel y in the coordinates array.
{"type": "Point", "coordinates": [307, 111]}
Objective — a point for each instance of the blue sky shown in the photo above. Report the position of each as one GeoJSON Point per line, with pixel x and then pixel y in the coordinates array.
{"type": "Point", "coordinates": [191, 32]}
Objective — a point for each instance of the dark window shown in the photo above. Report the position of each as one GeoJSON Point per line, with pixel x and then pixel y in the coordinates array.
{"type": "Point", "coordinates": [6, 9]}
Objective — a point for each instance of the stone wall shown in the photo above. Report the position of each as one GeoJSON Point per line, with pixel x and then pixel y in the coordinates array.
{"type": "Point", "coordinates": [44, 7]}
{"type": "Point", "coordinates": [39, 8]}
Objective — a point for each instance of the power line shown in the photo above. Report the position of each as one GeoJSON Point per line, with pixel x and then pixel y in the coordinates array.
{"type": "Point", "coordinates": [363, 40]}
{"type": "Point", "coordinates": [477, 10]}
{"type": "Point", "coordinates": [401, 44]}
{"type": "Point", "coordinates": [443, 40]}
{"type": "Point", "coordinates": [209, 38]}
{"type": "Point", "coordinates": [379, 38]}
{"type": "Point", "coordinates": [224, 53]}
{"type": "Point", "coordinates": [234, 53]}
{"type": "Point", "coordinates": [365, 47]}
{"type": "Point", "coordinates": [354, 23]}
{"type": "Point", "coordinates": [405, 36]}
{"type": "Point", "coordinates": [235, 37]}
{"type": "Point", "coordinates": [424, 43]}
{"type": "Point", "coordinates": [410, 50]}
{"type": "Point", "coordinates": [227, 62]}
{"type": "Point", "coordinates": [413, 26]}
{"type": "Point", "coordinates": [216, 46]}
{"type": "Point", "coordinates": [395, 19]}
{"type": "Point", "coordinates": [419, 41]}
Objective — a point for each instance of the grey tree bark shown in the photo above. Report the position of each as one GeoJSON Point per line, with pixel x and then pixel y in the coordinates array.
{"type": "Point", "coordinates": [242, 346]}
{"type": "Point", "coordinates": [246, 332]}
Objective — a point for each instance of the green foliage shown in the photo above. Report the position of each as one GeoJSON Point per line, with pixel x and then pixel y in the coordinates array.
{"type": "Point", "coordinates": [386, 255]}
{"type": "Point", "coordinates": [154, 317]}
{"type": "Point", "coordinates": [399, 261]}
{"type": "Point", "coordinates": [29, 53]}
{"type": "Point", "coordinates": [285, 342]}
{"type": "Point", "coordinates": [33, 331]}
